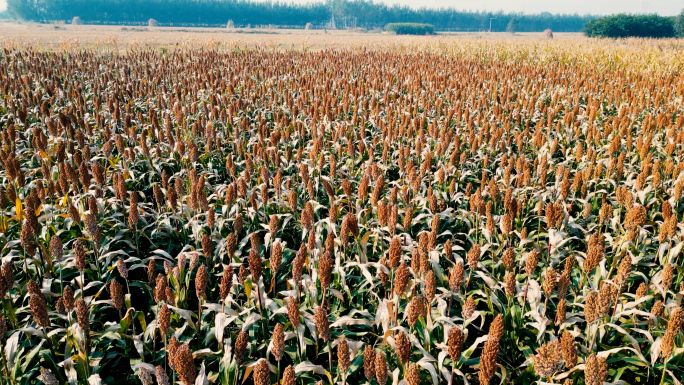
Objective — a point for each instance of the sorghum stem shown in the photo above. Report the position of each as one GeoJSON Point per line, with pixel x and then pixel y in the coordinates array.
{"type": "Point", "coordinates": [4, 362]}
{"type": "Point", "coordinates": [662, 377]}
{"type": "Point", "coordinates": [137, 249]}
{"type": "Point", "coordinates": [52, 350]}
{"type": "Point", "coordinates": [166, 354]}
{"type": "Point", "coordinates": [97, 261]}
{"type": "Point", "coordinates": [199, 317]}
{"type": "Point", "coordinates": [330, 360]}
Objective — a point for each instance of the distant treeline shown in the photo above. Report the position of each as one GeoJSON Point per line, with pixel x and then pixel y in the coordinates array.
{"type": "Point", "coordinates": [624, 25]}
{"type": "Point", "coordinates": [324, 14]}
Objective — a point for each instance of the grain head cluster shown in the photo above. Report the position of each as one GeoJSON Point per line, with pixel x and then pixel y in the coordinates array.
{"type": "Point", "coordinates": [477, 214]}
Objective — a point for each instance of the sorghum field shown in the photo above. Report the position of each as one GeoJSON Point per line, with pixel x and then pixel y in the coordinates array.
{"type": "Point", "coordinates": [457, 212]}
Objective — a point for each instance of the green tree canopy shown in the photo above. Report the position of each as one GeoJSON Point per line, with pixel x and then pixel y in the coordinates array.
{"type": "Point", "coordinates": [679, 25]}
{"type": "Point", "coordinates": [512, 26]}
{"type": "Point", "coordinates": [624, 25]}
{"type": "Point", "coordinates": [215, 13]}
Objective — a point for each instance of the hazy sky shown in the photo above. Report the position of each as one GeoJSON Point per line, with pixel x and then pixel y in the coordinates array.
{"type": "Point", "coordinates": [663, 7]}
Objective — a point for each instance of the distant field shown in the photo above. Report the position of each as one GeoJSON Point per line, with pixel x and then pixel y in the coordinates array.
{"type": "Point", "coordinates": [53, 35]}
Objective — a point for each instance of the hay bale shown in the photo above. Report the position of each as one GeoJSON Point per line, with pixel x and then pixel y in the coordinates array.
{"type": "Point", "coordinates": [548, 34]}
{"type": "Point", "coordinates": [308, 26]}
{"type": "Point", "coordinates": [152, 23]}
{"type": "Point", "coordinates": [230, 24]}
{"type": "Point", "coordinates": [76, 21]}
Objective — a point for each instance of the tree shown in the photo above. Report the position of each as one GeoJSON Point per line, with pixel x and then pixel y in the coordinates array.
{"type": "Point", "coordinates": [365, 13]}
{"type": "Point", "coordinates": [624, 25]}
{"type": "Point", "coordinates": [512, 26]}
{"type": "Point", "coordinates": [679, 25]}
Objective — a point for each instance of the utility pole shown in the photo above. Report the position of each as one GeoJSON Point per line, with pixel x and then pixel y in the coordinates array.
{"type": "Point", "coordinates": [490, 23]}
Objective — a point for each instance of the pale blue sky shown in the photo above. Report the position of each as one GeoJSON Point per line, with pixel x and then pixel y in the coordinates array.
{"type": "Point", "coordinates": [663, 7]}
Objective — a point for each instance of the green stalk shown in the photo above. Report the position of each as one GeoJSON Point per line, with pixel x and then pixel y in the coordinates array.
{"type": "Point", "coordinates": [662, 377]}
{"type": "Point", "coordinates": [527, 286]}
{"type": "Point", "coordinates": [11, 314]}
{"type": "Point", "coordinates": [132, 317]}
{"type": "Point", "coordinates": [237, 373]}
{"type": "Point", "coordinates": [470, 274]}
{"type": "Point", "coordinates": [26, 266]}
{"type": "Point", "coordinates": [451, 297]}
{"type": "Point", "coordinates": [199, 317]}
{"type": "Point", "coordinates": [61, 280]}
{"type": "Point", "coordinates": [42, 260]}
{"type": "Point", "coordinates": [299, 351]}
{"type": "Point", "coordinates": [323, 297]}
{"type": "Point", "coordinates": [52, 350]}
{"type": "Point", "coordinates": [453, 367]}
{"type": "Point", "coordinates": [4, 362]}
{"type": "Point", "coordinates": [87, 359]}
{"type": "Point", "coordinates": [489, 300]}
{"type": "Point", "coordinates": [391, 282]}
{"type": "Point", "coordinates": [330, 361]}
{"type": "Point", "coordinates": [97, 260]}
{"type": "Point", "coordinates": [593, 339]}
{"type": "Point", "coordinates": [137, 248]}
{"type": "Point", "coordinates": [83, 287]}
{"type": "Point", "coordinates": [166, 354]}
{"type": "Point", "coordinates": [262, 322]}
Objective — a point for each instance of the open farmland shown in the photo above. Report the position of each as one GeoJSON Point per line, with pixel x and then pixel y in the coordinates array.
{"type": "Point", "coordinates": [114, 37]}
{"type": "Point", "coordinates": [447, 210]}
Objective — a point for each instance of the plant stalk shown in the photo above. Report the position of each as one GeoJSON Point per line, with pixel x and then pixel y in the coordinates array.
{"type": "Point", "coordinates": [4, 362]}
{"type": "Point", "coordinates": [662, 377]}
{"type": "Point", "coordinates": [199, 317]}
{"type": "Point", "coordinates": [330, 361]}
